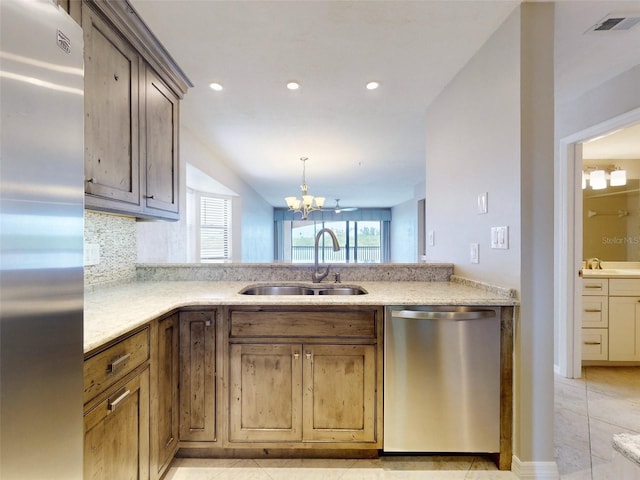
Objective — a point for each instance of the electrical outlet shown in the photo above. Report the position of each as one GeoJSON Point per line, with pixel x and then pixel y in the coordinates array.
{"type": "Point", "coordinates": [474, 253]}
{"type": "Point", "coordinates": [432, 238]}
{"type": "Point", "coordinates": [91, 254]}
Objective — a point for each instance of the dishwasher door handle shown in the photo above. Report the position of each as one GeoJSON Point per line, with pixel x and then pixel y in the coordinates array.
{"type": "Point", "coordinates": [443, 315]}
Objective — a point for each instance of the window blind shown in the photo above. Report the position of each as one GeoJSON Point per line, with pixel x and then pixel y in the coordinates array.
{"type": "Point", "coordinates": [215, 229]}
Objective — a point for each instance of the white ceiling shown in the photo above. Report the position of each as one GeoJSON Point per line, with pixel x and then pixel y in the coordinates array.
{"type": "Point", "coordinates": [364, 147]}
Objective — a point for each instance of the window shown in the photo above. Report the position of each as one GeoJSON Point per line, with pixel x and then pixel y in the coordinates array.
{"type": "Point", "coordinates": [364, 236]}
{"type": "Point", "coordinates": [214, 222]}
{"type": "Point", "coordinates": [360, 242]}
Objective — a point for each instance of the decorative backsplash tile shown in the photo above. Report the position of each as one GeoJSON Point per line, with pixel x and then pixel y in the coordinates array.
{"type": "Point", "coordinates": [116, 236]}
{"type": "Point", "coordinates": [231, 272]}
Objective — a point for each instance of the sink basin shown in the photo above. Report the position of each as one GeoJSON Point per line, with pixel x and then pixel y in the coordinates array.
{"type": "Point", "coordinates": [302, 290]}
{"type": "Point", "coordinates": [277, 290]}
{"type": "Point", "coordinates": [342, 291]}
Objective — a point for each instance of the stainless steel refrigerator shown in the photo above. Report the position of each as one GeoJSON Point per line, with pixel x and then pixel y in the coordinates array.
{"type": "Point", "coordinates": [41, 242]}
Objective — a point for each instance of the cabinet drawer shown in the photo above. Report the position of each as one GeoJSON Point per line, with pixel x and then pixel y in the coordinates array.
{"type": "Point", "coordinates": [595, 344]}
{"type": "Point", "coordinates": [107, 367]}
{"type": "Point", "coordinates": [327, 323]}
{"type": "Point", "coordinates": [595, 286]}
{"type": "Point", "coordinates": [624, 287]}
{"type": "Point", "coordinates": [595, 311]}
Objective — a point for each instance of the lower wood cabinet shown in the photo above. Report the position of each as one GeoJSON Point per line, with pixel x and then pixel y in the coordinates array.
{"type": "Point", "coordinates": [165, 408]}
{"type": "Point", "coordinates": [302, 393]}
{"type": "Point", "coordinates": [339, 385]}
{"type": "Point", "coordinates": [198, 376]}
{"type": "Point", "coordinates": [304, 377]}
{"type": "Point", "coordinates": [116, 433]}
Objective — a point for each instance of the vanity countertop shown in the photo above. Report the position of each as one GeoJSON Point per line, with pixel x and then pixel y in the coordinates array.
{"type": "Point", "coordinates": [612, 273]}
{"type": "Point", "coordinates": [112, 311]}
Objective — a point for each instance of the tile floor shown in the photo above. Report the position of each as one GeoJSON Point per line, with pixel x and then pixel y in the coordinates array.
{"type": "Point", "coordinates": [588, 411]}
{"type": "Point", "coordinates": [386, 468]}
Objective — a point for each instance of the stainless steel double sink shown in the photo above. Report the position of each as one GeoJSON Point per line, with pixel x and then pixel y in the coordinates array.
{"type": "Point", "coordinates": [284, 289]}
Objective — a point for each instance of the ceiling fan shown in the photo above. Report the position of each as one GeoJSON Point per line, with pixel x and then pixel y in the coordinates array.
{"type": "Point", "coordinates": [338, 208]}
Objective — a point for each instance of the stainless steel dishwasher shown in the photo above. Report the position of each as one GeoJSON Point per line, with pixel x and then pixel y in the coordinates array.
{"type": "Point", "coordinates": [442, 379]}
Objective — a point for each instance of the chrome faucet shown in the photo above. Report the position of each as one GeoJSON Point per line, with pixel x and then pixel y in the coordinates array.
{"type": "Point", "coordinates": [317, 274]}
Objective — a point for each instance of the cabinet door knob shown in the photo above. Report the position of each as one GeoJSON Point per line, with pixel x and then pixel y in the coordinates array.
{"type": "Point", "coordinates": [296, 355]}
{"type": "Point", "coordinates": [91, 180]}
{"type": "Point", "coordinates": [308, 355]}
{"type": "Point", "coordinates": [116, 77]}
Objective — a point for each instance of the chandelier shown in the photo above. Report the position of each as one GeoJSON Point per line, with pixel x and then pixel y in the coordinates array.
{"type": "Point", "coordinates": [308, 203]}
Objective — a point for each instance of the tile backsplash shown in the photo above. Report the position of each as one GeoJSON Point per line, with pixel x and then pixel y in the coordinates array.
{"type": "Point", "coordinates": [116, 237]}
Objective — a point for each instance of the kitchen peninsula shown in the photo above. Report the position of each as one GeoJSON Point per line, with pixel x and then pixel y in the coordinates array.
{"type": "Point", "coordinates": [200, 355]}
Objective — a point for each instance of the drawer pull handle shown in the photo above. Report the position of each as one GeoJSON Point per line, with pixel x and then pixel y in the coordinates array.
{"type": "Point", "coordinates": [308, 355]}
{"type": "Point", "coordinates": [113, 405]}
{"type": "Point", "coordinates": [150, 196]}
{"type": "Point", "coordinates": [592, 343]}
{"type": "Point", "coordinates": [593, 286]}
{"type": "Point", "coordinates": [296, 355]}
{"type": "Point", "coordinates": [592, 310]}
{"type": "Point", "coordinates": [118, 363]}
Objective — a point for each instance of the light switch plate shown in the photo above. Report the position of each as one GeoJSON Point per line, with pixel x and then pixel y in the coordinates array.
{"type": "Point", "coordinates": [432, 238]}
{"type": "Point", "coordinates": [483, 206]}
{"type": "Point", "coordinates": [500, 238]}
{"type": "Point", "coordinates": [474, 253]}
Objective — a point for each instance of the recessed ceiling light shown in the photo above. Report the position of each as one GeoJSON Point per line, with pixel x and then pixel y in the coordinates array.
{"type": "Point", "coordinates": [372, 85]}
{"type": "Point", "coordinates": [215, 86]}
{"type": "Point", "coordinates": [293, 85]}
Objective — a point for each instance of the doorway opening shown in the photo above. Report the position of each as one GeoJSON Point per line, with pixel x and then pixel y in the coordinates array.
{"type": "Point", "coordinates": [569, 241]}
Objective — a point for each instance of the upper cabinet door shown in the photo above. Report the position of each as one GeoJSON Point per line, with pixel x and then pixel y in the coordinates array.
{"type": "Point", "coordinates": [111, 116]}
{"type": "Point", "coordinates": [160, 147]}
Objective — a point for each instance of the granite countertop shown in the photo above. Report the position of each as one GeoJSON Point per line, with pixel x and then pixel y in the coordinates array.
{"type": "Point", "coordinates": [112, 311]}
{"type": "Point", "coordinates": [628, 445]}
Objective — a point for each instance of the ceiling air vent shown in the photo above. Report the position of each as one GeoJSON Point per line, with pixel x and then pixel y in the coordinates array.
{"type": "Point", "coordinates": [616, 22]}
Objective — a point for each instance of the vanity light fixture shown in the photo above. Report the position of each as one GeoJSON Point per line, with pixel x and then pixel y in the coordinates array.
{"type": "Point", "coordinates": [215, 86]}
{"type": "Point", "coordinates": [598, 177]}
{"type": "Point", "coordinates": [618, 178]}
{"type": "Point", "coordinates": [308, 203]}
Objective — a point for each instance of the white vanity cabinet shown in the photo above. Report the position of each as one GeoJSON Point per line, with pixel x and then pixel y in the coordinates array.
{"type": "Point", "coordinates": [624, 323]}
{"type": "Point", "coordinates": [595, 319]}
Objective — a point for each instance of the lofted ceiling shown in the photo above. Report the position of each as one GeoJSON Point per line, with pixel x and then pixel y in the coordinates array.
{"type": "Point", "coordinates": [365, 147]}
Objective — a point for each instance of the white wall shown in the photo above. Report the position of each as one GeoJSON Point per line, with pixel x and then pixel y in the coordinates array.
{"type": "Point", "coordinates": [491, 130]}
{"type": "Point", "coordinates": [404, 229]}
{"type": "Point", "coordinates": [473, 146]}
{"type": "Point", "coordinates": [160, 242]}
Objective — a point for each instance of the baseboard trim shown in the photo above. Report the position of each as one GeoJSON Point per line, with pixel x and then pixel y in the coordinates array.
{"type": "Point", "coordinates": [534, 470]}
